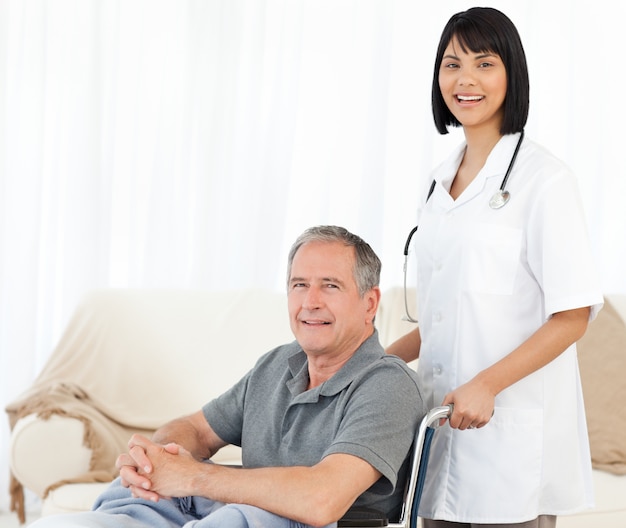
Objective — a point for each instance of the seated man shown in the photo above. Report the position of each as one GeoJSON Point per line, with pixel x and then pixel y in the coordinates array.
{"type": "Point", "coordinates": [324, 422]}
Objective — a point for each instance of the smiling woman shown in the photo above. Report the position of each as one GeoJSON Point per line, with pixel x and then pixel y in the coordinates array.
{"type": "Point", "coordinates": [168, 143]}
{"type": "Point", "coordinates": [504, 292]}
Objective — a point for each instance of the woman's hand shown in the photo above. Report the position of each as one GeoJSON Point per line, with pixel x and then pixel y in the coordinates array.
{"type": "Point", "coordinates": [473, 405]}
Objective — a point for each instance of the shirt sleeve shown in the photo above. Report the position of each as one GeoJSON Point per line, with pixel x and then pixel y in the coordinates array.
{"type": "Point", "coordinates": [380, 421]}
{"type": "Point", "coordinates": [225, 413]}
{"type": "Point", "coordinates": [559, 250]}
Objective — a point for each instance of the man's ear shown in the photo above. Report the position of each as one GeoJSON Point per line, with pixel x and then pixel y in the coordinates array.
{"type": "Point", "coordinates": [373, 300]}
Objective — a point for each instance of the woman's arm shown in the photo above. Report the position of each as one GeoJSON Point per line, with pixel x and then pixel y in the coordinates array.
{"type": "Point", "coordinates": [407, 347]}
{"type": "Point", "coordinates": [475, 400]}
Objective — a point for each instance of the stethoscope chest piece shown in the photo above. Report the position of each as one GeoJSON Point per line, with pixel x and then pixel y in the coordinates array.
{"type": "Point", "coordinates": [499, 199]}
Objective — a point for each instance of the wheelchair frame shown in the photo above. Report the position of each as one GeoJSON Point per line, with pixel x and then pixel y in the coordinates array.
{"type": "Point", "coordinates": [417, 477]}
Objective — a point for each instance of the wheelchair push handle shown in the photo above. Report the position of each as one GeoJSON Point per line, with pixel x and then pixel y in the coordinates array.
{"type": "Point", "coordinates": [437, 416]}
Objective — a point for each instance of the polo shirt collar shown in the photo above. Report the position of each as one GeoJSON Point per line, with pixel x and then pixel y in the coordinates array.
{"type": "Point", "coordinates": [369, 351]}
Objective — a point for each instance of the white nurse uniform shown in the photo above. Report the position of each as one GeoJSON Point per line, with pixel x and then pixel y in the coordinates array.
{"type": "Point", "coordinates": [487, 280]}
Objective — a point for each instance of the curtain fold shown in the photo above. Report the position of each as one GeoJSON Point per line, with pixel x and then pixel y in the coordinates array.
{"type": "Point", "coordinates": [185, 144]}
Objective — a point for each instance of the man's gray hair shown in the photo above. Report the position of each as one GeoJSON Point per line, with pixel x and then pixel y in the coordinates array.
{"type": "Point", "coordinates": [367, 264]}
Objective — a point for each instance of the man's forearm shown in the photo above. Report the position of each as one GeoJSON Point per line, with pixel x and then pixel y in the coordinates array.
{"type": "Point", "coordinates": [315, 495]}
{"type": "Point", "coordinates": [186, 433]}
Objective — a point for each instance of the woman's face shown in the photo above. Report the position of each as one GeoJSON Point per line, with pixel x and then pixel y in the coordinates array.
{"type": "Point", "coordinates": [473, 86]}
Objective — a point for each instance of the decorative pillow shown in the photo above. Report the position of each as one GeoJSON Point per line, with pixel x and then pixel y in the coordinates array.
{"type": "Point", "coordinates": [602, 359]}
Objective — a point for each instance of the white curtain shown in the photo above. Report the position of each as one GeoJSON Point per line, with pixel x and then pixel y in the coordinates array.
{"type": "Point", "coordinates": [185, 144]}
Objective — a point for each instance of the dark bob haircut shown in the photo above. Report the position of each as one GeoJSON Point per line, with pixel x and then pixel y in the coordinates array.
{"type": "Point", "coordinates": [484, 29]}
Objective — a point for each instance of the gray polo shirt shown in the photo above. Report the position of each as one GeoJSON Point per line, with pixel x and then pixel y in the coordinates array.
{"type": "Point", "coordinates": [370, 409]}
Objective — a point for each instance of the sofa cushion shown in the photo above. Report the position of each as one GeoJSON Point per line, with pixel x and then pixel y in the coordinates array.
{"type": "Point", "coordinates": [602, 359]}
{"type": "Point", "coordinates": [72, 498]}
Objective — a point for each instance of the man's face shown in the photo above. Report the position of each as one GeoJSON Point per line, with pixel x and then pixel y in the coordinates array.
{"type": "Point", "coordinates": [327, 315]}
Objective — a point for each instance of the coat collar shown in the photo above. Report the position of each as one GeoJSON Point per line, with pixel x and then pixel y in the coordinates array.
{"type": "Point", "coordinates": [496, 165]}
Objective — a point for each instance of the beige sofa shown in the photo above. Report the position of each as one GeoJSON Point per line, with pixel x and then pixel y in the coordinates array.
{"type": "Point", "coordinates": [130, 360]}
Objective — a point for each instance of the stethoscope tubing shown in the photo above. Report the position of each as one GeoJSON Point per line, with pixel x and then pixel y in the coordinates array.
{"type": "Point", "coordinates": [512, 162]}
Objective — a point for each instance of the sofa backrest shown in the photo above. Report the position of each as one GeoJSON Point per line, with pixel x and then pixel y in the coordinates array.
{"type": "Point", "coordinates": [146, 356]}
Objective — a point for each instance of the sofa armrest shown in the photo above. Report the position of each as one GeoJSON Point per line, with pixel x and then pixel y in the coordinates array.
{"type": "Point", "coordinates": [55, 449]}
{"type": "Point", "coordinates": [43, 452]}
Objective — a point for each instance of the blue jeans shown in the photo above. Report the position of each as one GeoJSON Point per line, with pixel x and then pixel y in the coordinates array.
{"type": "Point", "coordinates": [116, 508]}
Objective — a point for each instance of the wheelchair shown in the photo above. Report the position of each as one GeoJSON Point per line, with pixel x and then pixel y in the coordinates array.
{"type": "Point", "coordinates": [359, 518]}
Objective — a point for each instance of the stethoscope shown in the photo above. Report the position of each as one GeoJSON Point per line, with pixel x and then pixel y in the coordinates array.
{"type": "Point", "coordinates": [497, 201]}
